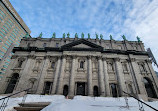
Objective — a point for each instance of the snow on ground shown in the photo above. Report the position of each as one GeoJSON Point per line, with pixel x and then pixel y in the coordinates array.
{"type": "Point", "coordinates": [81, 103]}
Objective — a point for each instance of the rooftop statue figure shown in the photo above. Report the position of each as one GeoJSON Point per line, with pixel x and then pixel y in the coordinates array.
{"type": "Point", "coordinates": [68, 35]}
{"type": "Point", "coordinates": [124, 38]}
{"type": "Point", "coordinates": [97, 36]}
{"type": "Point", "coordinates": [111, 37]}
{"type": "Point", "coordinates": [76, 35]}
{"type": "Point", "coordinates": [64, 35]}
{"type": "Point", "coordinates": [138, 38]}
{"type": "Point", "coordinates": [89, 36]}
{"type": "Point", "coordinates": [54, 35]}
{"type": "Point", "coordinates": [82, 35]}
{"type": "Point", "coordinates": [101, 36]}
{"type": "Point", "coordinates": [40, 35]}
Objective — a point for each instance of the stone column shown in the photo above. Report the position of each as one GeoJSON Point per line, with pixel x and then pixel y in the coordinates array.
{"type": "Point", "coordinates": [120, 76]}
{"type": "Point", "coordinates": [61, 77]}
{"type": "Point", "coordinates": [106, 78]}
{"type": "Point", "coordinates": [90, 88]}
{"type": "Point", "coordinates": [41, 78]}
{"type": "Point", "coordinates": [56, 76]}
{"type": "Point", "coordinates": [72, 75]}
{"type": "Point", "coordinates": [138, 77]}
{"type": "Point", "coordinates": [101, 77]}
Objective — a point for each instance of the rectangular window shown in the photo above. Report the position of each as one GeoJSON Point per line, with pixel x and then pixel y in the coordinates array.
{"type": "Point", "coordinates": [10, 40]}
{"type": "Point", "coordinates": [5, 66]}
{"type": "Point", "coordinates": [5, 28]}
{"type": "Point", "coordinates": [10, 22]}
{"type": "Point", "coordinates": [1, 37]}
{"type": "Point", "coordinates": [6, 63]}
{"type": "Point", "coordinates": [57, 44]}
{"type": "Point", "coordinates": [1, 52]}
{"type": "Point", "coordinates": [8, 43]}
{"type": "Point", "coordinates": [4, 48]}
{"type": "Point", "coordinates": [2, 12]}
{"type": "Point", "coordinates": [8, 60]}
{"type": "Point", "coordinates": [2, 33]}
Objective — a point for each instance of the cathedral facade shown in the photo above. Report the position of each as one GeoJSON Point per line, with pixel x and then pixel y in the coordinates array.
{"type": "Point", "coordinates": [78, 66]}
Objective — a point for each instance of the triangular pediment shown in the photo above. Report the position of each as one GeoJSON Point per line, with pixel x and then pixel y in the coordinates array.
{"type": "Point", "coordinates": [81, 44]}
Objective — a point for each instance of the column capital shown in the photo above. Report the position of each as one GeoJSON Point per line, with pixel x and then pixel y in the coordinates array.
{"type": "Point", "coordinates": [104, 58]}
{"type": "Point", "coordinates": [148, 61]}
{"type": "Point", "coordinates": [131, 59]}
{"type": "Point", "coordinates": [74, 56]}
{"type": "Point", "coordinates": [89, 57]}
{"type": "Point", "coordinates": [31, 56]}
{"type": "Point", "coordinates": [117, 59]}
{"type": "Point", "coordinates": [99, 57]}
{"type": "Point", "coordinates": [64, 56]}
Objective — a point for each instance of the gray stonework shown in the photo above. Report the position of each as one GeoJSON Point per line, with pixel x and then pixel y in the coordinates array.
{"type": "Point", "coordinates": [80, 63]}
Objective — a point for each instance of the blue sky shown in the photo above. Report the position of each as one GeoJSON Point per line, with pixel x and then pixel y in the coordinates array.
{"type": "Point", "coordinates": [116, 17]}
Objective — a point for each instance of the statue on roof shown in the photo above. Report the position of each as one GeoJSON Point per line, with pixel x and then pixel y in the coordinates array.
{"type": "Point", "coordinates": [76, 35]}
{"type": "Point", "coordinates": [89, 36]}
{"type": "Point", "coordinates": [64, 35]}
{"type": "Point", "coordinates": [138, 38]}
{"type": "Point", "coordinates": [40, 35]}
{"type": "Point", "coordinates": [68, 35]}
{"type": "Point", "coordinates": [124, 38]}
{"type": "Point", "coordinates": [97, 36]}
{"type": "Point", "coordinates": [82, 35]}
{"type": "Point", "coordinates": [54, 35]}
{"type": "Point", "coordinates": [101, 36]}
{"type": "Point", "coordinates": [111, 37]}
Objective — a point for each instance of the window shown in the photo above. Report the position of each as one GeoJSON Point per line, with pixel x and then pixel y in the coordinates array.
{"type": "Point", "coordinates": [142, 67]}
{"type": "Point", "coordinates": [57, 44]}
{"type": "Point", "coordinates": [44, 45]}
{"type": "Point", "coordinates": [110, 66]}
{"type": "Point", "coordinates": [114, 90]}
{"type": "Point", "coordinates": [2, 33]}
{"type": "Point", "coordinates": [82, 64]}
{"type": "Point", "coordinates": [20, 63]}
{"type": "Point", "coordinates": [53, 65]}
{"type": "Point", "coordinates": [28, 45]}
{"type": "Point", "coordinates": [124, 66]}
{"type": "Point", "coordinates": [47, 88]}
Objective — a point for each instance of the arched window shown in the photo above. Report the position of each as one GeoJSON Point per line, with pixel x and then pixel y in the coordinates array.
{"type": "Point", "coordinates": [95, 91]}
{"type": "Point", "coordinates": [12, 83]}
{"type": "Point", "coordinates": [114, 90]}
{"type": "Point", "coordinates": [20, 63]}
{"type": "Point", "coordinates": [149, 88]}
{"type": "Point", "coordinates": [65, 90]}
{"type": "Point", "coordinates": [82, 64]}
{"type": "Point", "coordinates": [53, 65]}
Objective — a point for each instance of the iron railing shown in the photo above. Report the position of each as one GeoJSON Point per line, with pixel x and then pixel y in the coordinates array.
{"type": "Point", "coordinates": [140, 101]}
{"type": "Point", "coordinates": [6, 99]}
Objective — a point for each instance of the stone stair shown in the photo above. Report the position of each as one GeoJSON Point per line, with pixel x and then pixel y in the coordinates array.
{"type": "Point", "coordinates": [32, 106]}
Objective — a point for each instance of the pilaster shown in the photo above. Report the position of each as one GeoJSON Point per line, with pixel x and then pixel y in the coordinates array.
{"type": "Point", "coordinates": [101, 77]}
{"type": "Point", "coordinates": [56, 76]}
{"type": "Point", "coordinates": [61, 77]}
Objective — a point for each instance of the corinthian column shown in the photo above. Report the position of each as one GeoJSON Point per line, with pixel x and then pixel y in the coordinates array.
{"type": "Point", "coordinates": [90, 89]}
{"type": "Point", "coordinates": [56, 76]}
{"type": "Point", "coordinates": [106, 76]}
{"type": "Point", "coordinates": [120, 76]}
{"type": "Point", "coordinates": [61, 77]}
{"type": "Point", "coordinates": [101, 77]}
{"type": "Point", "coordinates": [72, 75]}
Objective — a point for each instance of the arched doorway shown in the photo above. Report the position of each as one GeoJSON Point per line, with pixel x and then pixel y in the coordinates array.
{"type": "Point", "coordinates": [114, 90]}
{"type": "Point", "coordinates": [149, 88]}
{"type": "Point", "coordinates": [65, 90]}
{"type": "Point", "coordinates": [12, 83]}
{"type": "Point", "coordinates": [95, 91]}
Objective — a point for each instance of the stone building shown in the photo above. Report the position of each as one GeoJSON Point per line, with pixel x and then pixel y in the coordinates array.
{"type": "Point", "coordinates": [78, 66]}
{"type": "Point", "coordinates": [12, 29]}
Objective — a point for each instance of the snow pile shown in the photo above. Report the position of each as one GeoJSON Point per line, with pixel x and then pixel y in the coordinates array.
{"type": "Point", "coordinates": [31, 98]}
{"type": "Point", "coordinates": [83, 103]}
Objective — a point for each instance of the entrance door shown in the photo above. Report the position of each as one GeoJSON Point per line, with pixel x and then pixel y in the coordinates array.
{"type": "Point", "coordinates": [65, 90]}
{"type": "Point", "coordinates": [80, 88]}
{"type": "Point", "coordinates": [47, 88]}
{"type": "Point", "coordinates": [12, 83]}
